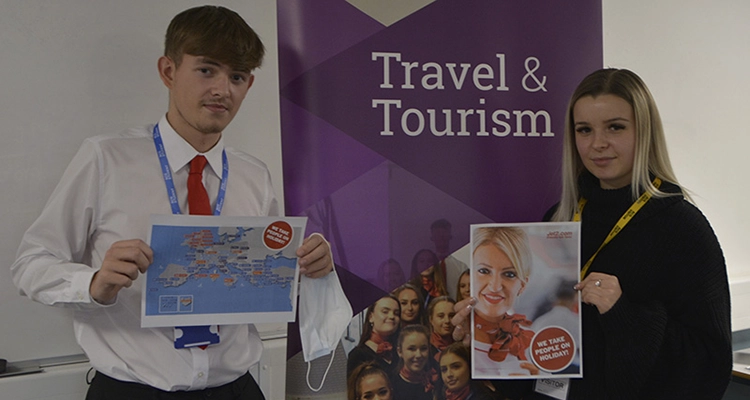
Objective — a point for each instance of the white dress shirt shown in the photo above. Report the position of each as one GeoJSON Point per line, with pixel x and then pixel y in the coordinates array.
{"type": "Point", "coordinates": [107, 193]}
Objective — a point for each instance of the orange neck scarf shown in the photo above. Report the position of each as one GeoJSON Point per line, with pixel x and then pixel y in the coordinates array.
{"type": "Point", "coordinates": [426, 378]}
{"type": "Point", "coordinates": [384, 347]}
{"type": "Point", "coordinates": [507, 336]}
{"type": "Point", "coordinates": [460, 394]}
{"type": "Point", "coordinates": [439, 341]}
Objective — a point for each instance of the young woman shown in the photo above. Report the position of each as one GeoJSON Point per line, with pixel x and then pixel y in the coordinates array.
{"type": "Point", "coordinates": [415, 378]}
{"type": "Point", "coordinates": [412, 310]}
{"type": "Point", "coordinates": [455, 372]}
{"type": "Point", "coordinates": [382, 321]}
{"type": "Point", "coordinates": [656, 316]}
{"type": "Point", "coordinates": [369, 382]}
{"type": "Point", "coordinates": [390, 275]}
{"type": "Point", "coordinates": [440, 312]}
{"type": "Point", "coordinates": [502, 265]}
{"type": "Point", "coordinates": [422, 260]}
{"type": "Point", "coordinates": [463, 287]}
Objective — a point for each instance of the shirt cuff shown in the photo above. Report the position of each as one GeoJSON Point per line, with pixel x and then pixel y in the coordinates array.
{"type": "Point", "coordinates": [80, 286]}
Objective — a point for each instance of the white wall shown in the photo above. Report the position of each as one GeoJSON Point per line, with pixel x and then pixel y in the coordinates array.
{"type": "Point", "coordinates": [695, 57]}
{"type": "Point", "coordinates": [74, 69]}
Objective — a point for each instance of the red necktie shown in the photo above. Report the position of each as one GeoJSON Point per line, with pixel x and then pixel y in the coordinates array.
{"type": "Point", "coordinates": [198, 202]}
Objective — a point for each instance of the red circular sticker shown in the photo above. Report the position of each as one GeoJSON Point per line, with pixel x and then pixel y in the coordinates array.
{"type": "Point", "coordinates": [553, 349]}
{"type": "Point", "coordinates": [277, 235]}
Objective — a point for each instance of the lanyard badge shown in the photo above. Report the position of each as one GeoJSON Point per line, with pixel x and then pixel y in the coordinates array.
{"type": "Point", "coordinates": [626, 217]}
{"type": "Point", "coordinates": [190, 336]}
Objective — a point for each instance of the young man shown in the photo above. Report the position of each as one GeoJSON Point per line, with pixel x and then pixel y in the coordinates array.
{"type": "Point", "coordinates": [87, 247]}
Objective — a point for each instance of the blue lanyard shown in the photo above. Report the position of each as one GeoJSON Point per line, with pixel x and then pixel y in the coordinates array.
{"type": "Point", "coordinates": [167, 173]}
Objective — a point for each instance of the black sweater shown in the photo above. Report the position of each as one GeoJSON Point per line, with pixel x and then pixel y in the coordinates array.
{"type": "Point", "coordinates": [669, 334]}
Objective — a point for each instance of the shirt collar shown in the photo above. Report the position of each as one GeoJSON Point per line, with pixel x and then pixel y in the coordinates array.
{"type": "Point", "coordinates": [180, 152]}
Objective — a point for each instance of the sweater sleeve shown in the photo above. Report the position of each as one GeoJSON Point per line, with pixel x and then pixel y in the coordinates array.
{"type": "Point", "coordinates": [677, 342]}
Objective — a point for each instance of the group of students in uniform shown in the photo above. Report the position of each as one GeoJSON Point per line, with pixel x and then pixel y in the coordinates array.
{"type": "Point", "coordinates": [407, 350]}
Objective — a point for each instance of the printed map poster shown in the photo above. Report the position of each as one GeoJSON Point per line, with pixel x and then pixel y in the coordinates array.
{"type": "Point", "coordinates": [526, 323]}
{"type": "Point", "coordinates": [221, 270]}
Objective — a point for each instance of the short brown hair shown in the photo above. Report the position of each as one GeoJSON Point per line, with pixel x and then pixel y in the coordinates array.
{"type": "Point", "coordinates": [217, 33]}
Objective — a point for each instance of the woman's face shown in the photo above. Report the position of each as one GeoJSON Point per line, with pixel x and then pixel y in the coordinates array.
{"type": "Point", "coordinates": [409, 305]}
{"type": "Point", "coordinates": [605, 138]}
{"type": "Point", "coordinates": [464, 288]}
{"type": "Point", "coordinates": [414, 350]}
{"type": "Point", "coordinates": [455, 371]}
{"type": "Point", "coordinates": [385, 316]}
{"type": "Point", "coordinates": [374, 387]}
{"type": "Point", "coordinates": [441, 316]}
{"type": "Point", "coordinates": [497, 282]}
{"type": "Point", "coordinates": [391, 275]}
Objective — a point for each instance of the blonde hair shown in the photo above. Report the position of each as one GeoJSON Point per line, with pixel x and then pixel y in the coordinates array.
{"type": "Point", "coordinates": [511, 241]}
{"type": "Point", "coordinates": [460, 297]}
{"type": "Point", "coordinates": [650, 144]}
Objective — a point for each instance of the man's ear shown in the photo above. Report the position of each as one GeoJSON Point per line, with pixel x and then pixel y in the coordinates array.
{"type": "Point", "coordinates": [167, 69]}
{"type": "Point", "coordinates": [250, 81]}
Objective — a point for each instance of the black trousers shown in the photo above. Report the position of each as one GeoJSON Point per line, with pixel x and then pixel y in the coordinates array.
{"type": "Point", "coordinates": [105, 388]}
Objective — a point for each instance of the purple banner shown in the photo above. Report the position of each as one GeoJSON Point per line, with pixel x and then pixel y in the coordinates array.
{"type": "Point", "coordinates": [395, 117]}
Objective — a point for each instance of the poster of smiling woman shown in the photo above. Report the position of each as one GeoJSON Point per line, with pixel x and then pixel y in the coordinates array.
{"type": "Point", "coordinates": [525, 323]}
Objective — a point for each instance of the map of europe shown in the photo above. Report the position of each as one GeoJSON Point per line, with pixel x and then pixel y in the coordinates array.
{"type": "Point", "coordinates": [217, 270]}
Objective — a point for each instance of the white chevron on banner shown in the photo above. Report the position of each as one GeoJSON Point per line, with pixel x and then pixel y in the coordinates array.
{"type": "Point", "coordinates": [388, 12]}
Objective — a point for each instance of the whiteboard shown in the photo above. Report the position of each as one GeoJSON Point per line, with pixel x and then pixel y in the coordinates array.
{"type": "Point", "coordinates": [76, 69]}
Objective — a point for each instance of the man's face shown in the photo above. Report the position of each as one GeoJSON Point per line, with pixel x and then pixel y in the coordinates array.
{"type": "Point", "coordinates": [204, 94]}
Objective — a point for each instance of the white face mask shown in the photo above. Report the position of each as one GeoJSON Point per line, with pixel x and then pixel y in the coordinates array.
{"type": "Point", "coordinates": [324, 315]}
